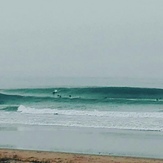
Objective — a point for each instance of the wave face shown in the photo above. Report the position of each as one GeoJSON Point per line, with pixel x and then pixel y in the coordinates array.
{"type": "Point", "coordinates": [86, 95]}
{"type": "Point", "coordinates": [99, 107]}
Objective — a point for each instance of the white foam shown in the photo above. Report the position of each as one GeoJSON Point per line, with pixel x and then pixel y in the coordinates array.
{"type": "Point", "coordinates": [30, 110]}
{"type": "Point", "coordinates": [97, 113]}
{"type": "Point", "coordinates": [84, 118]}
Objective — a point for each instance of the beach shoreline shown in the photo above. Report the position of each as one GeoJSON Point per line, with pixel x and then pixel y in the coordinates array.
{"type": "Point", "coordinates": [83, 140]}
{"type": "Point", "coordinates": [27, 156]}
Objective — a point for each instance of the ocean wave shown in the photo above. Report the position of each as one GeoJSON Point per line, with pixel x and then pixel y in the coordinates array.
{"type": "Point", "coordinates": [126, 95]}
{"type": "Point", "coordinates": [110, 92]}
{"type": "Point", "coordinates": [10, 108]}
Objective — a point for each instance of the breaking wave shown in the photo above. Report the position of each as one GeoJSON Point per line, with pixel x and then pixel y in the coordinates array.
{"type": "Point", "coordinates": [126, 95]}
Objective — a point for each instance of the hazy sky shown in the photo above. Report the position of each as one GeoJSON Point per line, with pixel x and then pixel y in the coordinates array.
{"type": "Point", "coordinates": [93, 38]}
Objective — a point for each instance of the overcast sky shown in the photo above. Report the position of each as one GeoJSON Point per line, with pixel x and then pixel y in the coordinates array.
{"type": "Point", "coordinates": [92, 38]}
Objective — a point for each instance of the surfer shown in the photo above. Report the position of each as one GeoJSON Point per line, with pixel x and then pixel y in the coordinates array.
{"type": "Point", "coordinates": [59, 96]}
{"type": "Point", "coordinates": [55, 91]}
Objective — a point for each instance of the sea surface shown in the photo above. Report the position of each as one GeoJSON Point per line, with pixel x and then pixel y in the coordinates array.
{"type": "Point", "coordinates": [97, 107]}
{"type": "Point", "coordinates": [121, 114]}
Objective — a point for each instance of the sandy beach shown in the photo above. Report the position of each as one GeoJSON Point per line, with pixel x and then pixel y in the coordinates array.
{"type": "Point", "coordinates": [26, 156]}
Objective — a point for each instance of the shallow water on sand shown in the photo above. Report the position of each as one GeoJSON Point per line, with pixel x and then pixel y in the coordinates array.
{"type": "Point", "coordinates": [83, 140]}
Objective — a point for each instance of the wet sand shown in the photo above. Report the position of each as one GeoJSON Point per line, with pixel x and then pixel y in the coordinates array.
{"type": "Point", "coordinates": [26, 156]}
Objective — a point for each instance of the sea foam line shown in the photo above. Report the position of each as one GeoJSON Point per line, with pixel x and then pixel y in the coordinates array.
{"type": "Point", "coordinates": [30, 110]}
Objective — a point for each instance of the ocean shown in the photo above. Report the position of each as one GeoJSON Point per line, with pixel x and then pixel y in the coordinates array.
{"type": "Point", "coordinates": [79, 117]}
{"type": "Point", "coordinates": [97, 107]}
